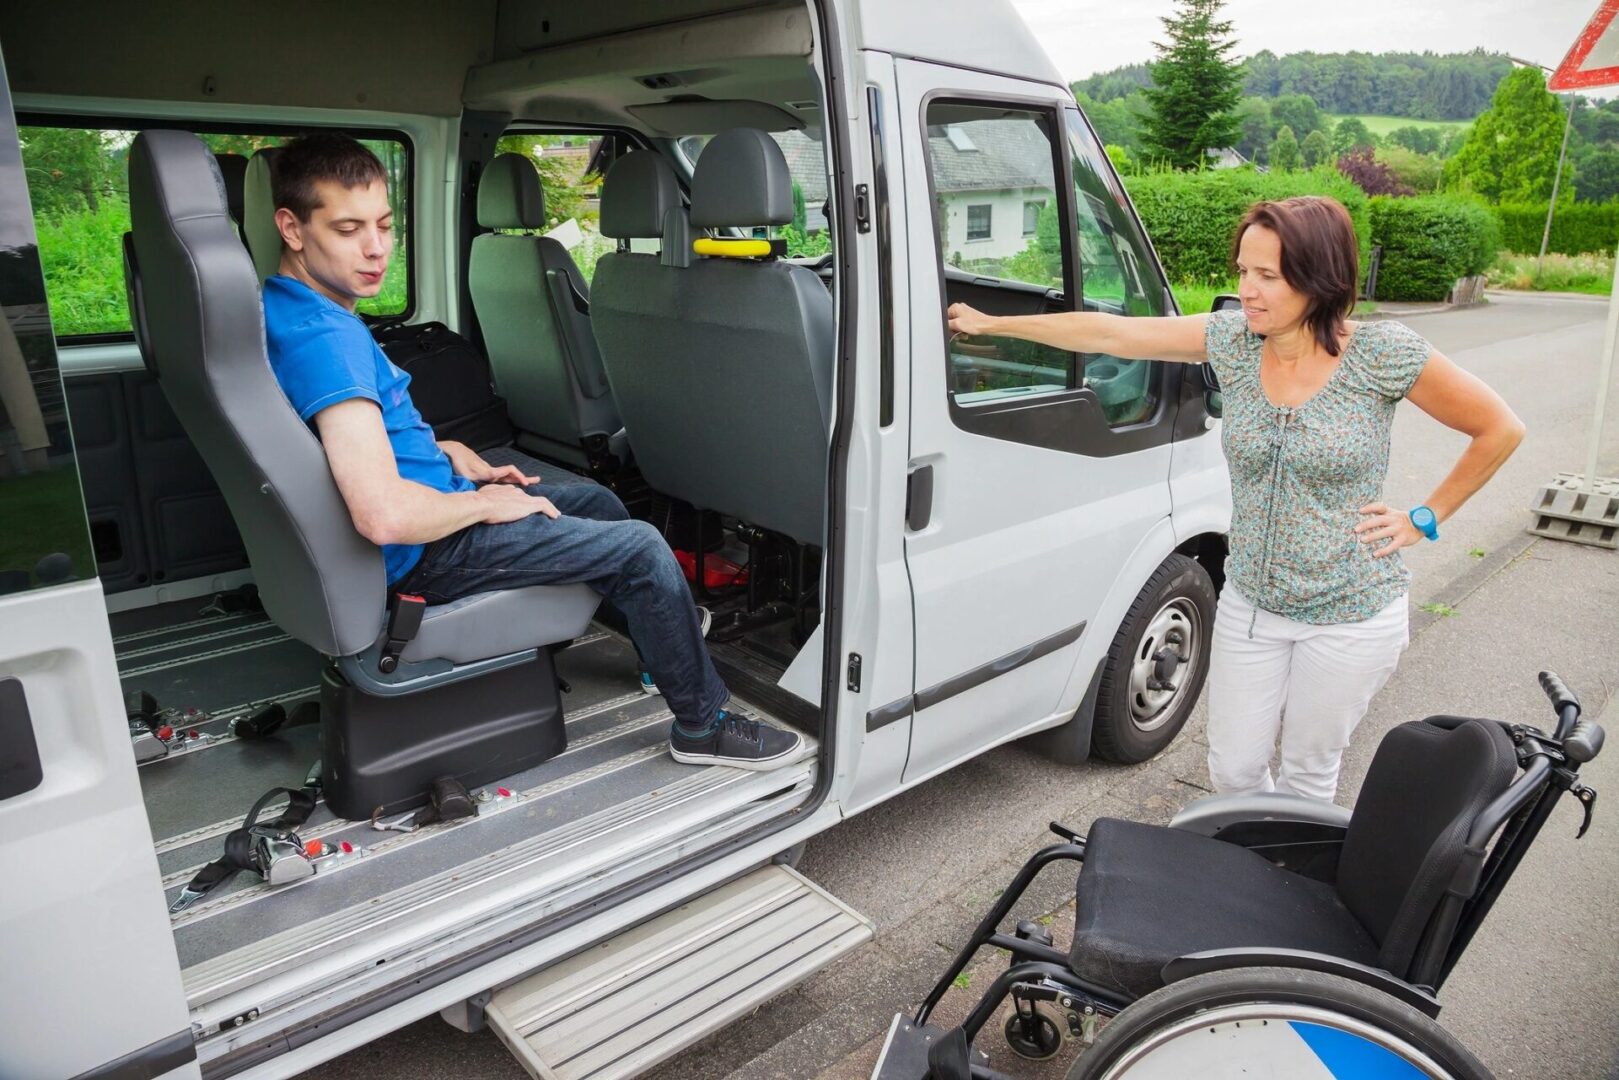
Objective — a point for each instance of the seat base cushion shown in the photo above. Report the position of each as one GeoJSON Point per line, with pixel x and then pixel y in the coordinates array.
{"type": "Point", "coordinates": [1148, 894]}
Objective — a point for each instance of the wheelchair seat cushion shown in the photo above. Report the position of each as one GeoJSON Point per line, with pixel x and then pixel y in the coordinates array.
{"type": "Point", "coordinates": [1148, 894]}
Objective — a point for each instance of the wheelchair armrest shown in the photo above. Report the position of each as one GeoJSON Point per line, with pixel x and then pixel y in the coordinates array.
{"type": "Point", "coordinates": [1216, 813]}
{"type": "Point", "coordinates": [1201, 963]}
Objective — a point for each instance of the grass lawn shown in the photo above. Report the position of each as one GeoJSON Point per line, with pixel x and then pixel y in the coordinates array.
{"type": "Point", "coordinates": [44, 513]}
{"type": "Point", "coordinates": [1382, 125]}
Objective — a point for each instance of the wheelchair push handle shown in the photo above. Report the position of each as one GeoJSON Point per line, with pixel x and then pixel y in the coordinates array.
{"type": "Point", "coordinates": [1584, 742]}
{"type": "Point", "coordinates": [1560, 696]}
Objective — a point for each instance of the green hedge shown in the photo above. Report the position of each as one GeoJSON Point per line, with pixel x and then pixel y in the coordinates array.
{"type": "Point", "coordinates": [1577, 228]}
{"type": "Point", "coordinates": [1191, 216]}
{"type": "Point", "coordinates": [1429, 242]}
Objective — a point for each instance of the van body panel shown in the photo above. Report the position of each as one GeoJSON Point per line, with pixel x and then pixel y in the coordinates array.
{"type": "Point", "coordinates": [987, 36]}
{"type": "Point", "coordinates": [1200, 485]}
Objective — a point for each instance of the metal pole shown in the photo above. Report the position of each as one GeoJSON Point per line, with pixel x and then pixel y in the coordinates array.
{"type": "Point", "coordinates": [1557, 180]}
{"type": "Point", "coordinates": [1604, 377]}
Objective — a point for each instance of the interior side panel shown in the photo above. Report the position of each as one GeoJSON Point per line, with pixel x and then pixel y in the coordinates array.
{"type": "Point", "coordinates": [107, 471]}
{"type": "Point", "coordinates": [189, 529]}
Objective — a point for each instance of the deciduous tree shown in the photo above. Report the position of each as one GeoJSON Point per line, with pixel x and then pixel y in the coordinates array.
{"type": "Point", "coordinates": [1510, 154]}
{"type": "Point", "coordinates": [1284, 152]}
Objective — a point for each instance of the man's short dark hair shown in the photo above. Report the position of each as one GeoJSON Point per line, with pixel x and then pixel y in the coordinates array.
{"type": "Point", "coordinates": [309, 159]}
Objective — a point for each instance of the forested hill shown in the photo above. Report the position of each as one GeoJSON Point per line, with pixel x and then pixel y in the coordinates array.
{"type": "Point", "coordinates": [1426, 86]}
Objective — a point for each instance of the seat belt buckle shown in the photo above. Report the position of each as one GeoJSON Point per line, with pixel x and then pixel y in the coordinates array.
{"type": "Point", "coordinates": [404, 620]}
{"type": "Point", "coordinates": [281, 857]}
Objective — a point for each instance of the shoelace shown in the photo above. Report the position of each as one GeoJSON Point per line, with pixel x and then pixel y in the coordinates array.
{"type": "Point", "coordinates": [743, 729]}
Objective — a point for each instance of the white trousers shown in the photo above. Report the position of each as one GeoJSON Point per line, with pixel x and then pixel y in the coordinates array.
{"type": "Point", "coordinates": [1314, 683]}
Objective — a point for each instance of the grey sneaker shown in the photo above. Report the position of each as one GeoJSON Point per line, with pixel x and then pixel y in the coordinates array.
{"type": "Point", "coordinates": [705, 619]}
{"type": "Point", "coordinates": [739, 741]}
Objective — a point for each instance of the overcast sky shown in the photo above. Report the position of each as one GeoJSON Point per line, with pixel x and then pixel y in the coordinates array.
{"type": "Point", "coordinates": [1088, 36]}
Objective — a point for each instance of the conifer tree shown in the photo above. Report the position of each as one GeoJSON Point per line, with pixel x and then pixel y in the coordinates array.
{"type": "Point", "coordinates": [1197, 84]}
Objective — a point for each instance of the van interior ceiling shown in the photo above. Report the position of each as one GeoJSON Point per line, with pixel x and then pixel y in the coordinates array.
{"type": "Point", "coordinates": [224, 702]}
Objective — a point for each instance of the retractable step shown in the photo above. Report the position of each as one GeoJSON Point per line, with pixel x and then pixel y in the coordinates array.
{"type": "Point", "coordinates": [621, 1007]}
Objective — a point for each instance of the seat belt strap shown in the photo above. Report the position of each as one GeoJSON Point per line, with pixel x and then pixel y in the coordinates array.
{"type": "Point", "coordinates": [264, 848]}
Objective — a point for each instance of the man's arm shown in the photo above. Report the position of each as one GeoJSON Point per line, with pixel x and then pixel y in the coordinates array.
{"type": "Point", "coordinates": [387, 508]}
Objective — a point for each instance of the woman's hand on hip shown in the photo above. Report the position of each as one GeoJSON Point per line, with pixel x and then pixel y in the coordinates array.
{"type": "Point", "coordinates": [1390, 528]}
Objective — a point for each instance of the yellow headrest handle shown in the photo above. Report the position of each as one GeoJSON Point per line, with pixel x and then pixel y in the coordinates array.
{"type": "Point", "coordinates": [728, 248]}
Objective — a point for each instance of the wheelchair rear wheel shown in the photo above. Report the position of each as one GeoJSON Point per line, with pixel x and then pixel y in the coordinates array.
{"type": "Point", "coordinates": [1274, 1022]}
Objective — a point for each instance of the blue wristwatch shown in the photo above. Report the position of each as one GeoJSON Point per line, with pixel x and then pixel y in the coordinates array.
{"type": "Point", "coordinates": [1425, 521]}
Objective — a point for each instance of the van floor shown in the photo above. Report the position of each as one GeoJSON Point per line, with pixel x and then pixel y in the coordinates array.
{"type": "Point", "coordinates": [615, 777]}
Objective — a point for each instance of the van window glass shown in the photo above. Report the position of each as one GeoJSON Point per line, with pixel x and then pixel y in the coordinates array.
{"type": "Point", "coordinates": [571, 166]}
{"type": "Point", "coordinates": [45, 539]}
{"type": "Point", "coordinates": [994, 173]}
{"type": "Point", "coordinates": [78, 179]}
{"type": "Point", "coordinates": [807, 236]}
{"type": "Point", "coordinates": [1118, 275]}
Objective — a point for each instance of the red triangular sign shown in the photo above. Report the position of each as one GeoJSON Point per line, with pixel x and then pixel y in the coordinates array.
{"type": "Point", "coordinates": [1594, 59]}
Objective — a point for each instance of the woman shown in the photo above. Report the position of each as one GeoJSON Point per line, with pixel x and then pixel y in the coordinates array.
{"type": "Point", "coordinates": [1313, 616]}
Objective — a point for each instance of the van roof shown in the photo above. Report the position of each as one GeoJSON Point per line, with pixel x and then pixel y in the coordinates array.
{"type": "Point", "coordinates": [529, 58]}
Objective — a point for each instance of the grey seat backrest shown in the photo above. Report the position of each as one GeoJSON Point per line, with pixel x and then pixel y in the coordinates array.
{"type": "Point", "coordinates": [532, 305]}
{"type": "Point", "coordinates": [233, 170]}
{"type": "Point", "coordinates": [202, 318]}
{"type": "Point", "coordinates": [259, 232]}
{"type": "Point", "coordinates": [723, 369]}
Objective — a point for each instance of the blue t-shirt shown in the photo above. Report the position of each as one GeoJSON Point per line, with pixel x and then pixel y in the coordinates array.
{"type": "Point", "coordinates": [321, 355]}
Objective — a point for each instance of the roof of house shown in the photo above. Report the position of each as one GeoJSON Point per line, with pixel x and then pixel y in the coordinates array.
{"type": "Point", "coordinates": [806, 161]}
{"type": "Point", "coordinates": [989, 155]}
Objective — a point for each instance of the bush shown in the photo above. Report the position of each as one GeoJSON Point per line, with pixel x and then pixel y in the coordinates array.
{"type": "Point", "coordinates": [1191, 217]}
{"type": "Point", "coordinates": [1428, 242]}
{"type": "Point", "coordinates": [1370, 175]}
{"type": "Point", "coordinates": [1590, 273]}
{"type": "Point", "coordinates": [1577, 228]}
{"type": "Point", "coordinates": [81, 254]}
{"type": "Point", "coordinates": [1420, 172]}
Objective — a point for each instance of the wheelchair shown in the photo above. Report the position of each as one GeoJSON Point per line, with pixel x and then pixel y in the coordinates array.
{"type": "Point", "coordinates": [1271, 934]}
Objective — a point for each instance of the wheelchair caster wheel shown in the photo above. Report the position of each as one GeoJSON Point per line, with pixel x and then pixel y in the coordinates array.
{"type": "Point", "coordinates": [1035, 1038]}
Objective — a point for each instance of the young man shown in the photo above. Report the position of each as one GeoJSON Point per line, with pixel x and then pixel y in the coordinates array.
{"type": "Point", "coordinates": [449, 523]}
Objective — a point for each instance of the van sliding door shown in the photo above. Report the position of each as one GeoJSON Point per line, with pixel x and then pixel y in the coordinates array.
{"type": "Point", "coordinates": [89, 979]}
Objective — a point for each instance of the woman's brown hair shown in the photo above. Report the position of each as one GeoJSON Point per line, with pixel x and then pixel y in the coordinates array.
{"type": "Point", "coordinates": [1320, 258]}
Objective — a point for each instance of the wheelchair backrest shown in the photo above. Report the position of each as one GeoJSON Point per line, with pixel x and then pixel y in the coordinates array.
{"type": "Point", "coordinates": [1428, 783]}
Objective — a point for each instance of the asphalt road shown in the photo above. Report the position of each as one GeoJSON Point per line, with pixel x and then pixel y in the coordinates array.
{"type": "Point", "coordinates": [1536, 994]}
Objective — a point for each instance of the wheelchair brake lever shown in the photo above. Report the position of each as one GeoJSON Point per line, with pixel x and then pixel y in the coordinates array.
{"type": "Point", "coordinates": [1588, 805]}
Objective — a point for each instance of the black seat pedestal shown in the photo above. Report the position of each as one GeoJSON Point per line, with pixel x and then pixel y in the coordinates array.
{"type": "Point", "coordinates": [386, 751]}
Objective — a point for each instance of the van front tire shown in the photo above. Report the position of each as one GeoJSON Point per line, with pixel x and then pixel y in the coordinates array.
{"type": "Point", "coordinates": [1157, 663]}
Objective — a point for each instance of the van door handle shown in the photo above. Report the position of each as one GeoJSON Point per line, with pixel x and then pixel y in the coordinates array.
{"type": "Point", "coordinates": [20, 769]}
{"type": "Point", "coordinates": [919, 498]}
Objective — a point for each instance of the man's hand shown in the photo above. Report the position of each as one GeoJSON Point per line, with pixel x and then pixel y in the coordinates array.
{"type": "Point", "coordinates": [503, 504]}
{"type": "Point", "coordinates": [968, 320]}
{"type": "Point", "coordinates": [1393, 529]}
{"type": "Point", "coordinates": [466, 462]}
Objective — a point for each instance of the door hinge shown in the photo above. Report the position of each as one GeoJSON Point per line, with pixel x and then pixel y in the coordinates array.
{"type": "Point", "coordinates": [854, 672]}
{"type": "Point", "coordinates": [862, 208]}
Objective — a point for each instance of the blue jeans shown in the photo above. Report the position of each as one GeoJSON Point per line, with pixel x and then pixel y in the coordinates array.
{"type": "Point", "coordinates": [594, 542]}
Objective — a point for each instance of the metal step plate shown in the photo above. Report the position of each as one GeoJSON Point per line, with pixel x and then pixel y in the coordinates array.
{"type": "Point", "coordinates": [621, 1007]}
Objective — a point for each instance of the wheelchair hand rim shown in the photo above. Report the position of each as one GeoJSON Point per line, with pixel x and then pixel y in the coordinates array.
{"type": "Point", "coordinates": [1136, 1062]}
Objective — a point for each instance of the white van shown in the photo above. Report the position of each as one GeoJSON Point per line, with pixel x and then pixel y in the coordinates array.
{"type": "Point", "coordinates": [947, 545]}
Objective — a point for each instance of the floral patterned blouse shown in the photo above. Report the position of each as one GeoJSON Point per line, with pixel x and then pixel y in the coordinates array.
{"type": "Point", "coordinates": [1300, 474]}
